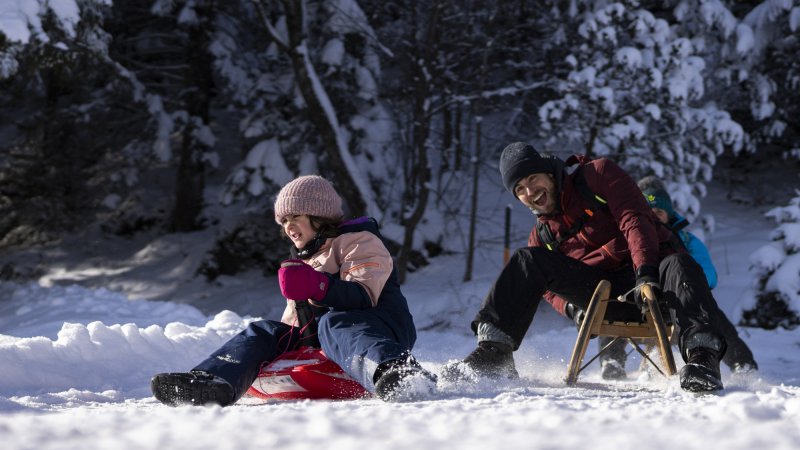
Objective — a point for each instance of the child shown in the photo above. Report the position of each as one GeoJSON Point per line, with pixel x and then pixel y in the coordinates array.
{"type": "Point", "coordinates": [738, 357]}
{"type": "Point", "coordinates": [347, 274]}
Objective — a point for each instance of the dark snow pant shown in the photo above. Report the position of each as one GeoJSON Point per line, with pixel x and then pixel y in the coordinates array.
{"type": "Point", "coordinates": [515, 295]}
{"type": "Point", "coordinates": [358, 341]}
{"type": "Point", "coordinates": [738, 352]}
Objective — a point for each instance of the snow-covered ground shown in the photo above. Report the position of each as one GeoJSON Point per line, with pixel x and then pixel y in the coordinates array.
{"type": "Point", "coordinates": [75, 364]}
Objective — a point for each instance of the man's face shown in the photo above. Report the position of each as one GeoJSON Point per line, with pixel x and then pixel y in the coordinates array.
{"type": "Point", "coordinates": [537, 191]}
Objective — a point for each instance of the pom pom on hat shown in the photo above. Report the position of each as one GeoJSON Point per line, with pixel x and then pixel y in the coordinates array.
{"type": "Point", "coordinates": [311, 195]}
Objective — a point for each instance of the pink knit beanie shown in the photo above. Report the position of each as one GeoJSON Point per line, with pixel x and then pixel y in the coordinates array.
{"type": "Point", "coordinates": [311, 195]}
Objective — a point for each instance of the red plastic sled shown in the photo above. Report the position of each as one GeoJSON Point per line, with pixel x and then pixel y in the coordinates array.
{"type": "Point", "coordinates": [305, 373]}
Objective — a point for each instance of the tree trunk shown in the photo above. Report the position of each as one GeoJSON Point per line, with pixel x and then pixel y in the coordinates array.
{"type": "Point", "coordinates": [189, 186]}
{"type": "Point", "coordinates": [190, 180]}
{"type": "Point", "coordinates": [419, 176]}
{"type": "Point", "coordinates": [459, 152]}
{"type": "Point", "coordinates": [474, 202]}
{"type": "Point", "coordinates": [447, 138]}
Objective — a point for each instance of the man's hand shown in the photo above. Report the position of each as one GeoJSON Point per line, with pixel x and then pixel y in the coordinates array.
{"type": "Point", "coordinates": [299, 281]}
{"type": "Point", "coordinates": [646, 276]}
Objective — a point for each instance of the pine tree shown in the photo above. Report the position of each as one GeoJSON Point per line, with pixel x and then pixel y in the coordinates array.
{"type": "Point", "coordinates": [772, 28]}
{"type": "Point", "coordinates": [56, 83]}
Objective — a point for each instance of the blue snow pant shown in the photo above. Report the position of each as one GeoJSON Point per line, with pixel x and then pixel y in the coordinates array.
{"type": "Point", "coordinates": [357, 340]}
{"type": "Point", "coordinates": [515, 295]}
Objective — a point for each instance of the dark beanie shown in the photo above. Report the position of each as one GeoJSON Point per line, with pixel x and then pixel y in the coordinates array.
{"type": "Point", "coordinates": [656, 194]}
{"type": "Point", "coordinates": [520, 160]}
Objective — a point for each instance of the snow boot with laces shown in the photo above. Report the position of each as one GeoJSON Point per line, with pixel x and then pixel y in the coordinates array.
{"type": "Point", "coordinates": [489, 360]}
{"type": "Point", "coordinates": [191, 388]}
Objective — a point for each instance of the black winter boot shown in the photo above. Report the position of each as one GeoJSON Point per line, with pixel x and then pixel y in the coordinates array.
{"type": "Point", "coordinates": [490, 360]}
{"type": "Point", "coordinates": [191, 388]}
{"type": "Point", "coordinates": [701, 372]}
{"type": "Point", "coordinates": [403, 380]}
{"type": "Point", "coordinates": [612, 361]}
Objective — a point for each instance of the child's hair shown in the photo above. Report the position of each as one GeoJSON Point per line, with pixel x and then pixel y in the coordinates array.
{"type": "Point", "coordinates": [325, 227]}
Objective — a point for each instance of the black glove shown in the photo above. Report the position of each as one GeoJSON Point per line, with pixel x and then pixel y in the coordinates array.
{"type": "Point", "coordinates": [575, 313]}
{"type": "Point", "coordinates": [646, 275]}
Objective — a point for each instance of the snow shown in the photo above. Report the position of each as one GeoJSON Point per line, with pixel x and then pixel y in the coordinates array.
{"type": "Point", "coordinates": [629, 57]}
{"type": "Point", "coordinates": [266, 163]}
{"type": "Point", "coordinates": [16, 16]}
{"type": "Point", "coordinates": [765, 17]}
{"type": "Point", "coordinates": [161, 146]}
{"type": "Point", "coordinates": [67, 13]}
{"type": "Point", "coordinates": [794, 19]}
{"type": "Point", "coordinates": [75, 363]}
{"type": "Point", "coordinates": [333, 52]}
{"type": "Point", "coordinates": [20, 19]}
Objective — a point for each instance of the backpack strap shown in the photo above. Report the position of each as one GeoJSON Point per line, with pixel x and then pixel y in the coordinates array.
{"type": "Point", "coordinates": [596, 202]}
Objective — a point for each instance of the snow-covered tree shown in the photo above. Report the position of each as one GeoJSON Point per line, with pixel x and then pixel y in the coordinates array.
{"type": "Point", "coordinates": [321, 63]}
{"type": "Point", "coordinates": [771, 31]}
{"type": "Point", "coordinates": [54, 81]}
{"type": "Point", "coordinates": [92, 72]}
{"type": "Point", "coordinates": [776, 300]}
{"type": "Point", "coordinates": [168, 53]}
{"type": "Point", "coordinates": [772, 28]}
{"type": "Point", "coordinates": [636, 92]}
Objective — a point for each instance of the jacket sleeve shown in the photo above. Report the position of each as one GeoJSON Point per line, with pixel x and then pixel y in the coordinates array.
{"type": "Point", "coordinates": [699, 252]}
{"type": "Point", "coordinates": [344, 295]}
{"type": "Point", "coordinates": [364, 267]}
{"type": "Point", "coordinates": [629, 209]}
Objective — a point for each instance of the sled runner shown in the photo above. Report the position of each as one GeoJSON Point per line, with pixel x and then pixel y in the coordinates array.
{"type": "Point", "coordinates": [305, 373]}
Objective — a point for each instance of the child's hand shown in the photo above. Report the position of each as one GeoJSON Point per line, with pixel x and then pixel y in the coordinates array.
{"type": "Point", "coordinates": [299, 281]}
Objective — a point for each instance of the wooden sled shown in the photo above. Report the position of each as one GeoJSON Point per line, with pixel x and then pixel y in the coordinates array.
{"type": "Point", "coordinates": [594, 324]}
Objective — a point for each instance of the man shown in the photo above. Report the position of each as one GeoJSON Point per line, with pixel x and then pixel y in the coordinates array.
{"type": "Point", "coordinates": [593, 224]}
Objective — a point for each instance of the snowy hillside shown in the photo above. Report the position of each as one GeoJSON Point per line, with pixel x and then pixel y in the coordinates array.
{"type": "Point", "coordinates": [75, 364]}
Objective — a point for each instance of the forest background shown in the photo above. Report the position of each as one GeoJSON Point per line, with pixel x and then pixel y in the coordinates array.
{"type": "Point", "coordinates": [144, 119]}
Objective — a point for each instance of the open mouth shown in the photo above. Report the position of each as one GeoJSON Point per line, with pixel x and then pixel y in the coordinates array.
{"type": "Point", "coordinates": [539, 199]}
{"type": "Point", "coordinates": [295, 236]}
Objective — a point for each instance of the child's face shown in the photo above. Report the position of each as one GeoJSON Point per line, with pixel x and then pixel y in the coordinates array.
{"type": "Point", "coordinates": [661, 214]}
{"type": "Point", "coordinates": [298, 229]}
